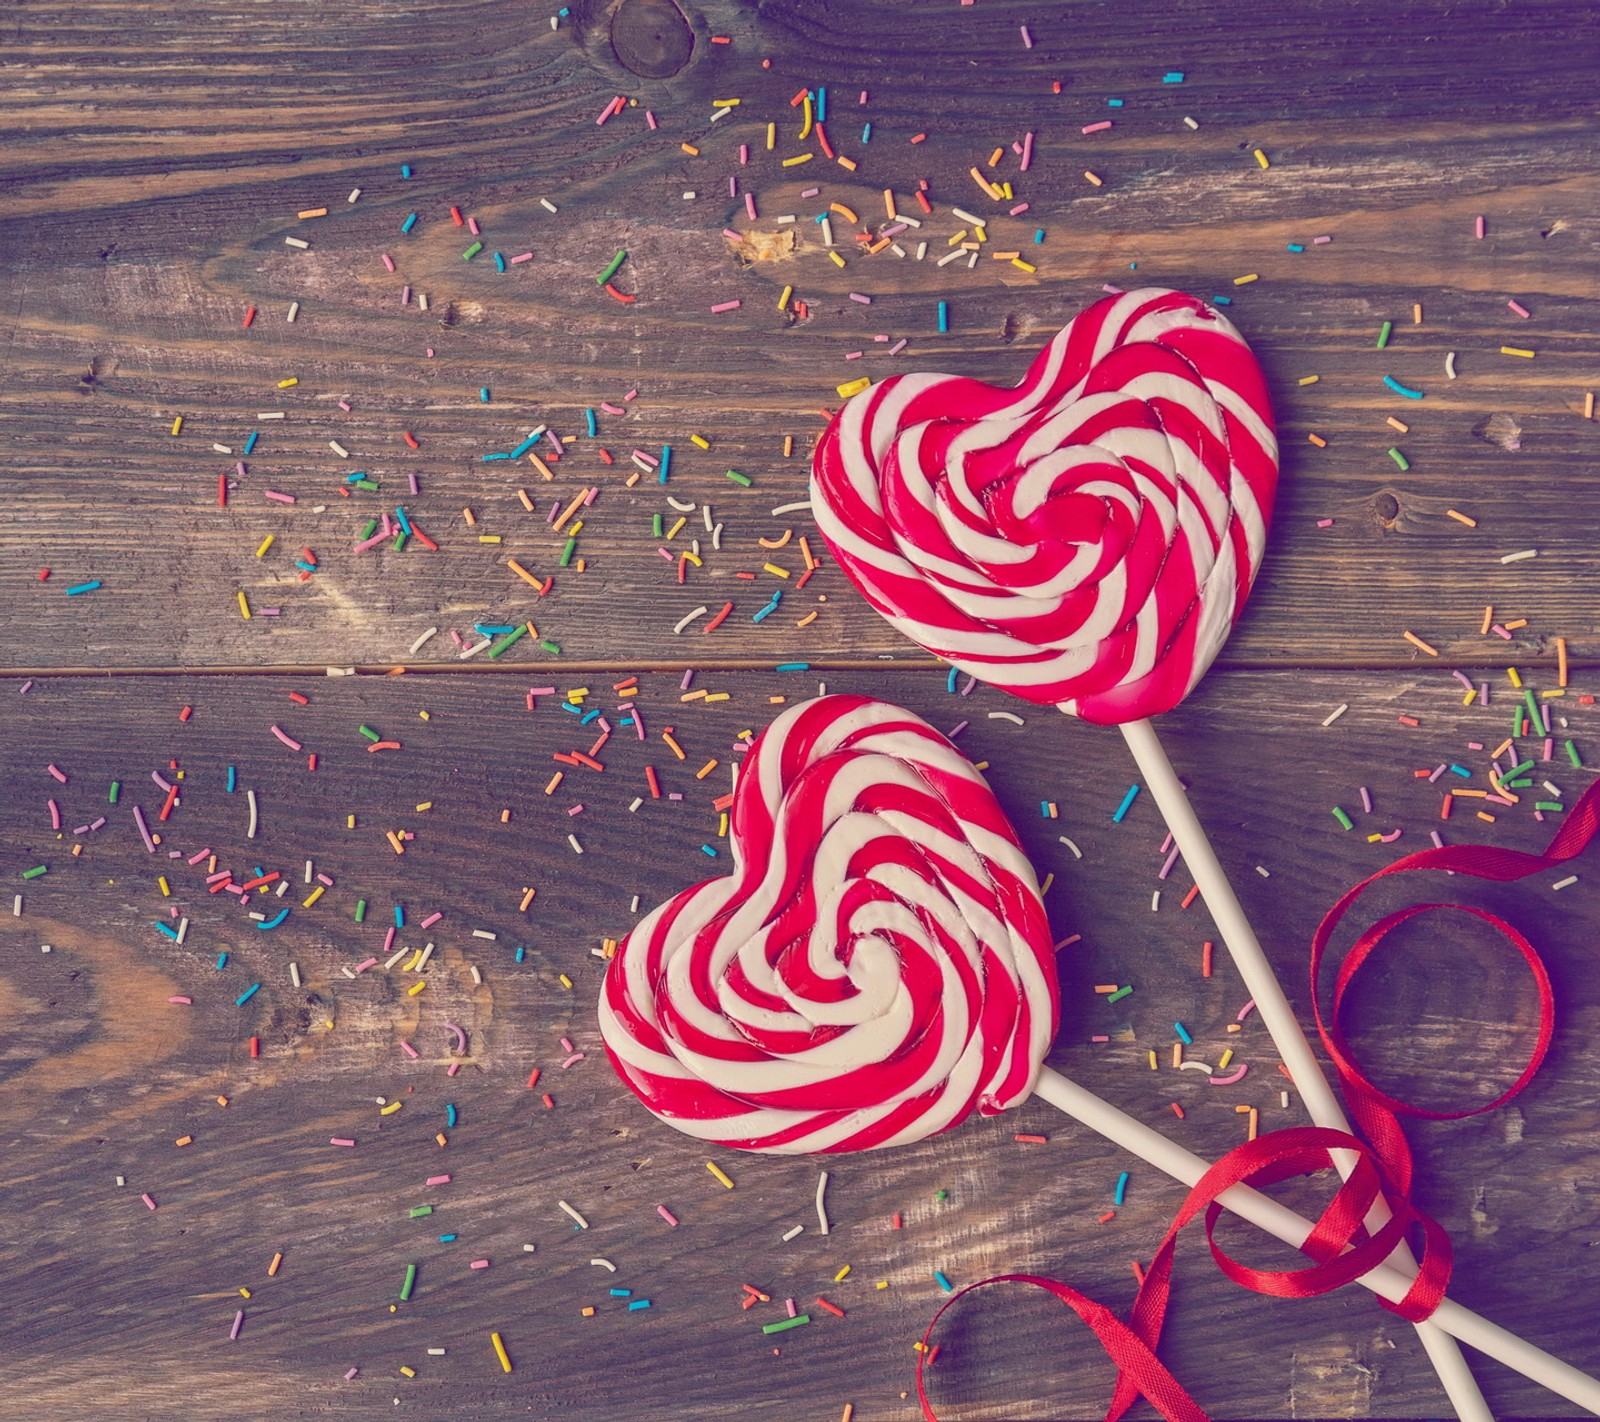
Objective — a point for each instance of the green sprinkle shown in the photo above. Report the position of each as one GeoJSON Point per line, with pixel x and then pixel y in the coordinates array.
{"type": "Point", "coordinates": [411, 1279]}
{"type": "Point", "coordinates": [1119, 994]}
{"type": "Point", "coordinates": [567, 552]}
{"type": "Point", "coordinates": [1522, 769]}
{"type": "Point", "coordinates": [1535, 720]}
{"type": "Point", "coordinates": [418, 1213]}
{"type": "Point", "coordinates": [1383, 335]}
{"type": "Point", "coordinates": [552, 648]}
{"type": "Point", "coordinates": [1554, 806]}
{"type": "Point", "coordinates": [655, 525]}
{"type": "Point", "coordinates": [941, 1195]}
{"type": "Point", "coordinates": [1521, 784]}
{"type": "Point", "coordinates": [367, 484]}
{"type": "Point", "coordinates": [1399, 459]}
{"type": "Point", "coordinates": [116, 789]}
{"type": "Point", "coordinates": [786, 1323]}
{"type": "Point", "coordinates": [366, 532]}
{"type": "Point", "coordinates": [611, 268]}
{"type": "Point", "coordinates": [507, 640]}
{"type": "Point", "coordinates": [1345, 822]}
{"type": "Point", "coordinates": [744, 481]}
{"type": "Point", "coordinates": [36, 871]}
{"type": "Point", "coordinates": [472, 251]}
{"type": "Point", "coordinates": [1572, 755]}
{"type": "Point", "coordinates": [361, 910]}
{"type": "Point", "coordinates": [369, 733]}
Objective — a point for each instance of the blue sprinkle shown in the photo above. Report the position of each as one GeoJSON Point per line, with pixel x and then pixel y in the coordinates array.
{"type": "Point", "coordinates": [1461, 770]}
{"type": "Point", "coordinates": [409, 223]}
{"type": "Point", "coordinates": [943, 1282]}
{"type": "Point", "coordinates": [222, 961]}
{"type": "Point", "coordinates": [490, 457]}
{"type": "Point", "coordinates": [1126, 805]}
{"type": "Point", "coordinates": [247, 994]}
{"type": "Point", "coordinates": [233, 779]}
{"type": "Point", "coordinates": [822, 105]}
{"type": "Point", "coordinates": [170, 932]}
{"type": "Point", "coordinates": [1172, 76]}
{"type": "Point", "coordinates": [521, 954]}
{"type": "Point", "coordinates": [405, 523]}
{"type": "Point", "coordinates": [1296, 247]}
{"type": "Point", "coordinates": [1113, 103]}
{"type": "Point", "coordinates": [523, 448]}
{"type": "Point", "coordinates": [399, 917]}
{"type": "Point", "coordinates": [447, 1239]}
{"type": "Point", "coordinates": [708, 851]}
{"type": "Point", "coordinates": [866, 132]}
{"type": "Point", "coordinates": [944, 316]}
{"type": "Point", "coordinates": [483, 390]}
{"type": "Point", "coordinates": [1400, 389]}
{"type": "Point", "coordinates": [1183, 1034]}
{"type": "Point", "coordinates": [666, 464]}
{"type": "Point", "coordinates": [950, 681]}
{"type": "Point", "coordinates": [1038, 235]}
{"type": "Point", "coordinates": [492, 629]}
{"type": "Point", "coordinates": [273, 922]}
{"type": "Point", "coordinates": [308, 567]}
{"type": "Point", "coordinates": [638, 1304]}
{"type": "Point", "coordinates": [450, 1116]}
{"type": "Point", "coordinates": [1044, 809]}
{"type": "Point", "coordinates": [250, 443]}
{"type": "Point", "coordinates": [571, 706]}
{"type": "Point", "coordinates": [793, 666]}
{"type": "Point", "coordinates": [622, 1293]}
{"type": "Point", "coordinates": [405, 170]}
{"type": "Point", "coordinates": [1122, 1189]}
{"type": "Point", "coordinates": [770, 608]}
{"type": "Point", "coordinates": [499, 262]}
{"type": "Point", "coordinates": [594, 427]}
{"type": "Point", "coordinates": [1222, 301]}
{"type": "Point", "coordinates": [83, 588]}
{"type": "Point", "coordinates": [588, 716]}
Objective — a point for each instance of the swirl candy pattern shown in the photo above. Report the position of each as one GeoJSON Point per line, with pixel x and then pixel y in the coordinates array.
{"type": "Point", "coordinates": [1085, 540]}
{"type": "Point", "coordinates": [877, 966]}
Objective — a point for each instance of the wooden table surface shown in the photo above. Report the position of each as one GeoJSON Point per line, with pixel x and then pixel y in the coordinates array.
{"type": "Point", "coordinates": [155, 164]}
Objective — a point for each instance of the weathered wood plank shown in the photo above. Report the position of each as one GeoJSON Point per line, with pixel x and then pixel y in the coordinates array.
{"type": "Point", "coordinates": [104, 1299]}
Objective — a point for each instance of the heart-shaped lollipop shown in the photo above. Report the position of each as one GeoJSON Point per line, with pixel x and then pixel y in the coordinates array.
{"type": "Point", "coordinates": [1086, 539]}
{"type": "Point", "coordinates": [876, 967]}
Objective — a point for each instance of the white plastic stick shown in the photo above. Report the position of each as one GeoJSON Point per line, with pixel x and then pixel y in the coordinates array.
{"type": "Point", "coordinates": [1449, 1318]}
{"type": "Point", "coordinates": [1262, 985]}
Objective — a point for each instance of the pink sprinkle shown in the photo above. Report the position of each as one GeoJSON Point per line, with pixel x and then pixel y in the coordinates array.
{"type": "Point", "coordinates": [1324, 523]}
{"type": "Point", "coordinates": [286, 738]}
{"type": "Point", "coordinates": [1320, 241]}
{"type": "Point", "coordinates": [864, 300]}
{"type": "Point", "coordinates": [1478, 228]}
{"type": "Point", "coordinates": [452, 1069]}
{"type": "Point", "coordinates": [576, 810]}
{"type": "Point", "coordinates": [351, 1374]}
{"type": "Point", "coordinates": [437, 1180]}
{"type": "Point", "coordinates": [744, 154]}
{"type": "Point", "coordinates": [238, 1323]}
{"type": "Point", "coordinates": [520, 258]}
{"type": "Point", "coordinates": [750, 208]}
{"type": "Point", "coordinates": [405, 296]}
{"type": "Point", "coordinates": [343, 405]}
{"type": "Point", "coordinates": [1027, 39]}
{"type": "Point", "coordinates": [480, 1264]}
{"type": "Point", "coordinates": [431, 919]}
{"type": "Point", "coordinates": [1519, 308]}
{"type": "Point", "coordinates": [631, 394]}
{"type": "Point", "coordinates": [566, 1044]}
{"type": "Point", "coordinates": [148, 1201]}
{"type": "Point", "coordinates": [667, 1215]}
{"type": "Point", "coordinates": [722, 306]}
{"type": "Point", "coordinates": [196, 858]}
{"type": "Point", "coordinates": [412, 478]}
{"type": "Point", "coordinates": [59, 775]}
{"type": "Point", "coordinates": [897, 347]}
{"type": "Point", "coordinates": [341, 1141]}
{"type": "Point", "coordinates": [854, 355]}
{"type": "Point", "coordinates": [182, 1001]}
{"type": "Point", "coordinates": [612, 409]}
{"type": "Point", "coordinates": [1230, 1079]}
{"type": "Point", "coordinates": [473, 228]}
{"type": "Point", "coordinates": [1167, 867]}
{"type": "Point", "coordinates": [388, 938]}
{"type": "Point", "coordinates": [572, 1060]}
{"type": "Point", "coordinates": [388, 261]}
{"type": "Point", "coordinates": [25, 685]}
{"type": "Point", "coordinates": [1246, 1010]}
{"type": "Point", "coordinates": [1100, 1039]}
{"type": "Point", "coordinates": [789, 1304]}
{"type": "Point", "coordinates": [1097, 127]}
{"type": "Point", "coordinates": [1027, 151]}
{"type": "Point", "coordinates": [733, 186]}
{"type": "Point", "coordinates": [650, 119]}
{"type": "Point", "coordinates": [362, 967]}
{"type": "Point", "coordinates": [1366, 800]}
{"type": "Point", "coordinates": [1500, 631]}
{"type": "Point", "coordinates": [278, 498]}
{"type": "Point", "coordinates": [1019, 209]}
{"type": "Point", "coordinates": [144, 829]}
{"type": "Point", "coordinates": [55, 815]}
{"type": "Point", "coordinates": [407, 1048]}
{"type": "Point", "coordinates": [731, 235]}
{"type": "Point", "coordinates": [606, 112]}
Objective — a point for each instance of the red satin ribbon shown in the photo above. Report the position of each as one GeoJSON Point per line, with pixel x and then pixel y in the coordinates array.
{"type": "Point", "coordinates": [1340, 1246]}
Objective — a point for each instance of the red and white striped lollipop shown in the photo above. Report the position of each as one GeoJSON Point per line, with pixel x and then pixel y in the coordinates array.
{"type": "Point", "coordinates": [876, 967]}
{"type": "Point", "coordinates": [1086, 539]}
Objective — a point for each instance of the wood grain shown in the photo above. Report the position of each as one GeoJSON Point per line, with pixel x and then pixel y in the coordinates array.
{"type": "Point", "coordinates": [103, 1074]}
{"type": "Point", "coordinates": [129, 314]}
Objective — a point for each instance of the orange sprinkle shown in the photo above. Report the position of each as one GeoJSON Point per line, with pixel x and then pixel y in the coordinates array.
{"type": "Point", "coordinates": [1031, 1140]}
{"type": "Point", "coordinates": [1206, 950]}
{"type": "Point", "coordinates": [1417, 642]}
{"type": "Point", "coordinates": [1107, 1217]}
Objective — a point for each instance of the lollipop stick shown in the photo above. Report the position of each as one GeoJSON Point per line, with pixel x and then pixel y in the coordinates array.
{"type": "Point", "coordinates": [1281, 1023]}
{"type": "Point", "coordinates": [1388, 1282]}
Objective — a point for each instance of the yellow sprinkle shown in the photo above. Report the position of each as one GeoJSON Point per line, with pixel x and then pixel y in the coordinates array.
{"type": "Point", "coordinates": [775, 570]}
{"type": "Point", "coordinates": [836, 259]}
{"type": "Point", "coordinates": [1241, 281]}
{"type": "Point", "coordinates": [285, 384]}
{"type": "Point", "coordinates": [587, 1312]}
{"type": "Point", "coordinates": [690, 149]}
{"type": "Point", "coordinates": [416, 988]}
{"type": "Point", "coordinates": [1224, 1059]}
{"type": "Point", "coordinates": [177, 424]}
{"type": "Point", "coordinates": [1093, 178]}
{"type": "Point", "coordinates": [1022, 265]}
{"type": "Point", "coordinates": [718, 695]}
{"type": "Point", "coordinates": [1309, 379]}
{"type": "Point", "coordinates": [1396, 424]}
{"type": "Point", "coordinates": [500, 1352]}
{"type": "Point", "coordinates": [772, 136]}
{"type": "Point", "coordinates": [391, 1108]}
{"type": "Point", "coordinates": [797, 160]}
{"type": "Point", "coordinates": [1470, 697]}
{"type": "Point", "coordinates": [1516, 351]}
{"type": "Point", "coordinates": [1261, 158]}
{"type": "Point", "coordinates": [166, 893]}
{"type": "Point", "coordinates": [1485, 815]}
{"type": "Point", "coordinates": [705, 770]}
{"type": "Point", "coordinates": [425, 805]}
{"type": "Point", "coordinates": [678, 525]}
{"type": "Point", "coordinates": [315, 894]}
{"type": "Point", "coordinates": [244, 607]}
{"type": "Point", "coordinates": [1516, 680]}
{"type": "Point", "coordinates": [840, 1275]}
{"type": "Point", "coordinates": [1416, 641]}
{"type": "Point", "coordinates": [989, 189]}
{"type": "Point", "coordinates": [266, 543]}
{"type": "Point", "coordinates": [1553, 691]}
{"type": "Point", "coordinates": [312, 212]}
{"type": "Point", "coordinates": [244, 1293]}
{"type": "Point", "coordinates": [712, 1166]}
{"type": "Point", "coordinates": [852, 387]}
{"type": "Point", "coordinates": [488, 538]}
{"type": "Point", "coordinates": [184, 1140]}
{"type": "Point", "coordinates": [809, 618]}
{"type": "Point", "coordinates": [726, 103]}
{"type": "Point", "coordinates": [527, 503]}
{"type": "Point", "coordinates": [408, 1372]}
{"type": "Point", "coordinates": [1416, 314]}
{"type": "Point", "coordinates": [565, 981]}
{"type": "Point", "coordinates": [349, 821]}
{"type": "Point", "coordinates": [699, 441]}
{"type": "Point", "coordinates": [1154, 1065]}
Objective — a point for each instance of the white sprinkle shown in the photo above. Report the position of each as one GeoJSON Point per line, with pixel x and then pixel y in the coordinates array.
{"type": "Point", "coordinates": [582, 1223]}
{"type": "Point", "coordinates": [348, 973]}
{"type": "Point", "coordinates": [1155, 902]}
{"type": "Point", "coordinates": [716, 538]}
{"type": "Point", "coordinates": [1521, 557]}
{"type": "Point", "coordinates": [338, 449]}
{"type": "Point", "coordinates": [1189, 122]}
{"type": "Point", "coordinates": [354, 194]}
{"type": "Point", "coordinates": [948, 257]}
{"type": "Point", "coordinates": [790, 1234]}
{"type": "Point", "coordinates": [922, 250]}
{"type": "Point", "coordinates": [283, 887]}
{"type": "Point", "coordinates": [44, 948]}
{"type": "Point", "coordinates": [1562, 883]}
{"type": "Point", "coordinates": [269, 414]}
{"type": "Point", "coordinates": [1262, 872]}
{"type": "Point", "coordinates": [422, 301]}
{"type": "Point", "coordinates": [687, 507]}
{"type": "Point", "coordinates": [294, 310]}
{"type": "Point", "coordinates": [1336, 713]}
{"type": "Point", "coordinates": [16, 907]}
{"type": "Point", "coordinates": [804, 505]}
{"type": "Point", "coordinates": [412, 650]}
{"type": "Point", "coordinates": [422, 962]}
{"type": "Point", "coordinates": [822, 1212]}
{"type": "Point", "coordinates": [962, 215]}
{"type": "Point", "coordinates": [634, 809]}
{"type": "Point", "coordinates": [1450, 365]}
{"type": "Point", "coordinates": [1197, 1066]}
{"type": "Point", "coordinates": [598, 1263]}
{"type": "Point", "coordinates": [698, 612]}
{"type": "Point", "coordinates": [259, 917]}
{"type": "Point", "coordinates": [485, 933]}
{"type": "Point", "coordinates": [339, 671]}
{"type": "Point", "coordinates": [436, 1352]}
{"type": "Point", "coordinates": [473, 651]}
{"type": "Point", "coordinates": [1010, 716]}
{"type": "Point", "coordinates": [705, 512]}
{"type": "Point", "coordinates": [1554, 790]}
{"type": "Point", "coordinates": [577, 848]}
{"type": "Point", "coordinates": [1076, 852]}
{"type": "Point", "coordinates": [294, 974]}
{"type": "Point", "coordinates": [396, 957]}
{"type": "Point", "coordinates": [299, 242]}
{"type": "Point", "coordinates": [1283, 1099]}
{"type": "Point", "coordinates": [183, 929]}
{"type": "Point", "coordinates": [222, 449]}
{"type": "Point", "coordinates": [308, 871]}
{"type": "Point", "coordinates": [477, 977]}
{"type": "Point", "coordinates": [250, 795]}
